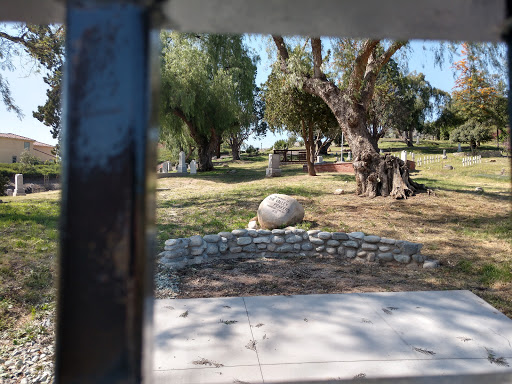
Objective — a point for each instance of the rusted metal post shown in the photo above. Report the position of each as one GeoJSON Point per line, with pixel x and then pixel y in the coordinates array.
{"type": "Point", "coordinates": [105, 289]}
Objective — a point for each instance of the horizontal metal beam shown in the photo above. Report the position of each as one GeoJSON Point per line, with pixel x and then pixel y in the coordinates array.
{"type": "Point", "coordinates": [396, 19]}
{"type": "Point", "coordinates": [476, 20]}
{"type": "Point", "coordinates": [33, 11]}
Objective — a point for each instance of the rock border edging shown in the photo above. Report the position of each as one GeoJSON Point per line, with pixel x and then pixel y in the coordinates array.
{"type": "Point", "coordinates": [290, 242]}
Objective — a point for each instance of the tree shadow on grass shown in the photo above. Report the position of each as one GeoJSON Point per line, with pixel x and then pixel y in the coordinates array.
{"type": "Point", "coordinates": [235, 175]}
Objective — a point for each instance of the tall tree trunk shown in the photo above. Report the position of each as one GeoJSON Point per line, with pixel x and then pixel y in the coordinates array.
{"type": "Point", "coordinates": [205, 145]}
{"type": "Point", "coordinates": [217, 148]}
{"type": "Point", "coordinates": [409, 138]}
{"type": "Point", "coordinates": [235, 143]}
{"type": "Point", "coordinates": [376, 175]}
{"type": "Point", "coordinates": [205, 149]}
{"type": "Point", "coordinates": [309, 142]}
{"type": "Point", "coordinates": [191, 148]}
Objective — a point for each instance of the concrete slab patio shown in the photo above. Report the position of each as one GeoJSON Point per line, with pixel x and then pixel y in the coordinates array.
{"type": "Point", "coordinates": [325, 337]}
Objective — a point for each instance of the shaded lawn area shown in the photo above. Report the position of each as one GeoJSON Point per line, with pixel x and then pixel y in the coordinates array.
{"type": "Point", "coordinates": [28, 250]}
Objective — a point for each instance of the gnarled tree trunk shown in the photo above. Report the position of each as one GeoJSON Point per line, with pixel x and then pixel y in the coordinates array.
{"type": "Point", "coordinates": [376, 175]}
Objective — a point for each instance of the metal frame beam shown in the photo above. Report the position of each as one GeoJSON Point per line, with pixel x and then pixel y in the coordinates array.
{"type": "Point", "coordinates": [478, 20]}
{"type": "Point", "coordinates": [105, 279]}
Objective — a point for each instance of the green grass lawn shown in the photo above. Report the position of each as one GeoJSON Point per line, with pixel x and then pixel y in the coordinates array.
{"type": "Point", "coordinates": [28, 253]}
{"type": "Point", "coordinates": [470, 232]}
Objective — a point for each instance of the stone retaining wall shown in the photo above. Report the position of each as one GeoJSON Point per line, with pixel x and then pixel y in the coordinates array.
{"type": "Point", "coordinates": [290, 242]}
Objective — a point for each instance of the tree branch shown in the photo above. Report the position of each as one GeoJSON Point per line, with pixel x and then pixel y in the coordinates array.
{"type": "Point", "coordinates": [356, 78]}
{"type": "Point", "coordinates": [316, 48]}
{"type": "Point", "coordinates": [178, 112]}
{"type": "Point", "coordinates": [373, 69]}
{"type": "Point", "coordinates": [283, 52]}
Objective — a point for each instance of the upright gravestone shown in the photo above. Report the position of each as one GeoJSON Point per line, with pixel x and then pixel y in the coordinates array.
{"type": "Point", "coordinates": [444, 154]}
{"type": "Point", "coordinates": [193, 167]}
{"type": "Point", "coordinates": [417, 140]}
{"type": "Point", "coordinates": [18, 182]}
{"type": "Point", "coordinates": [165, 167]}
{"type": "Point", "coordinates": [274, 164]}
{"type": "Point", "coordinates": [182, 166]}
{"type": "Point", "coordinates": [459, 149]}
{"type": "Point", "coordinates": [319, 159]}
{"type": "Point", "coordinates": [403, 156]}
{"type": "Point", "coordinates": [349, 156]}
{"type": "Point", "coordinates": [412, 156]}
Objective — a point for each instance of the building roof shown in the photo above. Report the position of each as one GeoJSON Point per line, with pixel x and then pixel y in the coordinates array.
{"type": "Point", "coordinates": [39, 144]}
{"type": "Point", "coordinates": [13, 136]}
{"type": "Point", "coordinates": [18, 137]}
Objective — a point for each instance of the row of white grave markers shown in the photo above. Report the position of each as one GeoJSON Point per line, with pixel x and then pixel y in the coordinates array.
{"type": "Point", "coordinates": [472, 160]}
{"type": "Point", "coordinates": [428, 160]}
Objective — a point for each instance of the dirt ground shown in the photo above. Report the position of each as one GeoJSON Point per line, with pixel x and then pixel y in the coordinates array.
{"type": "Point", "coordinates": [308, 275]}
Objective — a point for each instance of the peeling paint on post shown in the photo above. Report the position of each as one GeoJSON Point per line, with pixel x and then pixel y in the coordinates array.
{"type": "Point", "coordinates": [105, 281]}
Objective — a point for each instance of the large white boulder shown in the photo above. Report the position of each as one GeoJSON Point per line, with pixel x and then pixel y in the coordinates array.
{"type": "Point", "coordinates": [278, 211]}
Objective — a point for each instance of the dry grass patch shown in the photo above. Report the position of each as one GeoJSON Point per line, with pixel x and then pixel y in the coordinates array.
{"type": "Point", "coordinates": [469, 232]}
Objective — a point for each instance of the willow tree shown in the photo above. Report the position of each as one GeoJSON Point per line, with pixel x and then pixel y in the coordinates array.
{"type": "Point", "coordinates": [207, 88]}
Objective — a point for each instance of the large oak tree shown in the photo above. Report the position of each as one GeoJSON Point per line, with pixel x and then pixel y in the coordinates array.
{"type": "Point", "coordinates": [376, 175]}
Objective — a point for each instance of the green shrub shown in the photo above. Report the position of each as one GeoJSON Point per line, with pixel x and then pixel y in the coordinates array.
{"type": "Point", "coordinates": [29, 159]}
{"type": "Point", "coordinates": [280, 144]}
{"type": "Point", "coordinates": [250, 150]}
{"type": "Point", "coordinates": [3, 184]}
{"type": "Point", "coordinates": [28, 170]}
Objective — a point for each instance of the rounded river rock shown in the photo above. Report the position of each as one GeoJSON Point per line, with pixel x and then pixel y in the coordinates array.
{"type": "Point", "coordinates": [277, 211]}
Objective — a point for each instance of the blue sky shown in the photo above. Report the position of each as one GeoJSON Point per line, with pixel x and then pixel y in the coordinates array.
{"type": "Point", "coordinates": [29, 90]}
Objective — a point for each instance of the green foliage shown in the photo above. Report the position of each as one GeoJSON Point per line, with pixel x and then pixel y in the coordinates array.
{"type": "Point", "coordinates": [4, 180]}
{"type": "Point", "coordinates": [471, 132]}
{"type": "Point", "coordinates": [207, 89]}
{"type": "Point", "coordinates": [280, 144]}
{"type": "Point", "coordinates": [250, 150]}
{"type": "Point", "coordinates": [51, 170]}
{"type": "Point", "coordinates": [27, 158]}
{"type": "Point", "coordinates": [45, 44]}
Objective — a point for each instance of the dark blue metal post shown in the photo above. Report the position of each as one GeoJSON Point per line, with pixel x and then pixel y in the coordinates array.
{"type": "Point", "coordinates": [507, 36]}
{"type": "Point", "coordinates": [105, 289]}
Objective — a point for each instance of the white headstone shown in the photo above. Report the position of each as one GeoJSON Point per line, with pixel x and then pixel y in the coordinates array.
{"type": "Point", "coordinates": [412, 156]}
{"type": "Point", "coordinates": [182, 166]}
{"type": "Point", "coordinates": [444, 154]}
{"type": "Point", "coordinates": [349, 156]}
{"type": "Point", "coordinates": [9, 192]}
{"type": "Point", "coordinates": [319, 159]}
{"type": "Point", "coordinates": [193, 167]}
{"type": "Point", "coordinates": [165, 167]}
{"type": "Point", "coordinates": [459, 149]}
{"type": "Point", "coordinates": [274, 163]}
{"type": "Point", "coordinates": [417, 140]}
{"type": "Point", "coordinates": [18, 182]}
{"type": "Point", "coordinates": [403, 156]}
